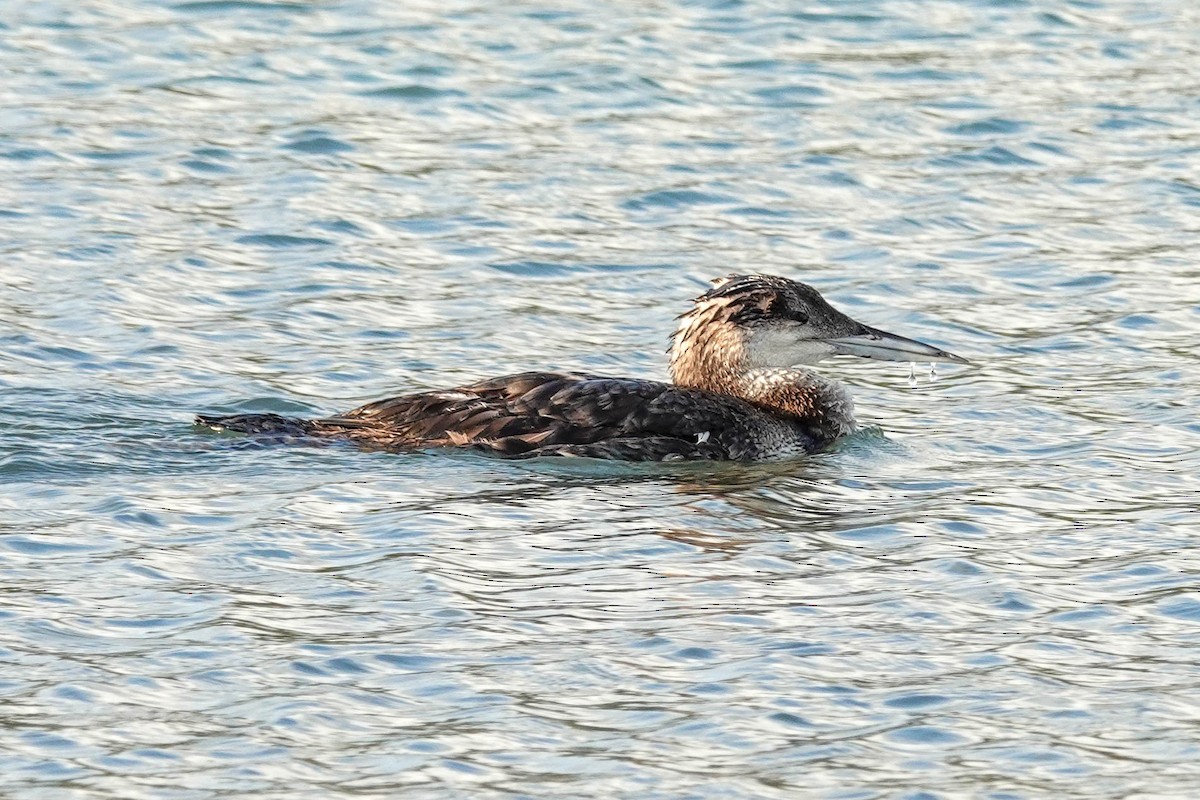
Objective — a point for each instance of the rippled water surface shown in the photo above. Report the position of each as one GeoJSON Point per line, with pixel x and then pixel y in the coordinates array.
{"type": "Point", "coordinates": [991, 591]}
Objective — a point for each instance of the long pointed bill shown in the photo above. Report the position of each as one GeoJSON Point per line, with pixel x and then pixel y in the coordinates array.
{"type": "Point", "coordinates": [884, 346]}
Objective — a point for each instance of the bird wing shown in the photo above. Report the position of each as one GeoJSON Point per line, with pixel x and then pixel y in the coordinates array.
{"type": "Point", "coordinates": [552, 413]}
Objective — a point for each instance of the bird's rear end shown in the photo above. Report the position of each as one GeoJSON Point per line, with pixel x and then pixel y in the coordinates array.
{"type": "Point", "coordinates": [258, 424]}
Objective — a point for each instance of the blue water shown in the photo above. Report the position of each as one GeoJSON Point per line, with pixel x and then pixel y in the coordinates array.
{"type": "Point", "coordinates": [991, 591]}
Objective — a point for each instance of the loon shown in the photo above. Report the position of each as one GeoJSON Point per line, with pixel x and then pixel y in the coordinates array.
{"type": "Point", "coordinates": [738, 392]}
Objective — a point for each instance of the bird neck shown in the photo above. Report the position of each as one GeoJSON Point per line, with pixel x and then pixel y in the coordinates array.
{"type": "Point", "coordinates": [707, 353]}
{"type": "Point", "coordinates": [794, 393]}
{"type": "Point", "coordinates": [710, 355]}
{"type": "Point", "coordinates": [800, 395]}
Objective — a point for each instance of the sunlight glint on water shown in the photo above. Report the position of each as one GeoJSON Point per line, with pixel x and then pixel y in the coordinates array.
{"type": "Point", "coordinates": [988, 591]}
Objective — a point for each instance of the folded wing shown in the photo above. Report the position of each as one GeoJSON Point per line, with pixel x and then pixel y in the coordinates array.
{"type": "Point", "coordinates": [549, 413]}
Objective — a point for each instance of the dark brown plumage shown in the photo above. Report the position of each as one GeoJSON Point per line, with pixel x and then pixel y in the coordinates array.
{"type": "Point", "coordinates": [543, 413]}
{"type": "Point", "coordinates": [735, 394]}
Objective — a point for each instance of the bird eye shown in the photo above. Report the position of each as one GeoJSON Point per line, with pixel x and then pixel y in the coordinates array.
{"type": "Point", "coordinates": [797, 315]}
{"type": "Point", "coordinates": [782, 309]}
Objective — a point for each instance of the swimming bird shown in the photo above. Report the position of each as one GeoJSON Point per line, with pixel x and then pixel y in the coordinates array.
{"type": "Point", "coordinates": [739, 391]}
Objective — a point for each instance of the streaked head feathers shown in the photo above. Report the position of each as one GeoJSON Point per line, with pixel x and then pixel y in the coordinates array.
{"type": "Point", "coordinates": [749, 322]}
